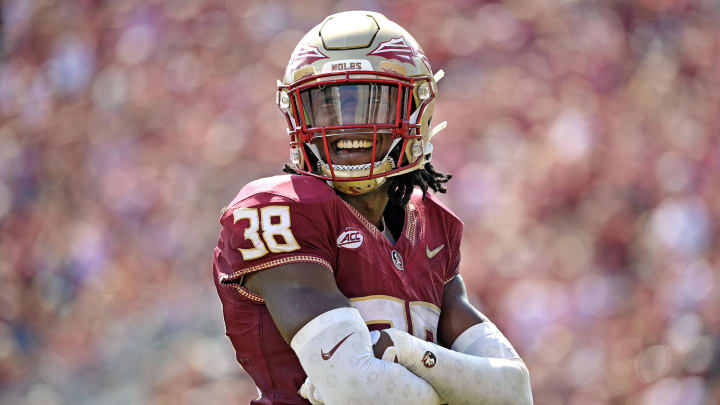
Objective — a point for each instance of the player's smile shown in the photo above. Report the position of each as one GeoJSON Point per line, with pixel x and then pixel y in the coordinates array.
{"type": "Point", "coordinates": [355, 149]}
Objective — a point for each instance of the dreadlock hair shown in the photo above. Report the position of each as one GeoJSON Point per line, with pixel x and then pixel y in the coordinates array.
{"type": "Point", "coordinates": [401, 187]}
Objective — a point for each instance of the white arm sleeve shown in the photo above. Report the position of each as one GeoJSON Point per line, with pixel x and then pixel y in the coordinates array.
{"type": "Point", "coordinates": [484, 340]}
{"type": "Point", "coordinates": [459, 377]}
{"type": "Point", "coordinates": [336, 352]}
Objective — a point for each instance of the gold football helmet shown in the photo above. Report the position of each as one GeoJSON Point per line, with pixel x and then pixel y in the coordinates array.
{"type": "Point", "coordinates": [358, 96]}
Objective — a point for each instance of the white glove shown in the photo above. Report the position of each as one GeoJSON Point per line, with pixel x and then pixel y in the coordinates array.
{"type": "Point", "coordinates": [462, 378]}
{"type": "Point", "coordinates": [308, 391]}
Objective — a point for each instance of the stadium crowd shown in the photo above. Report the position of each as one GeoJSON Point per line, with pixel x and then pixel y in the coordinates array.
{"type": "Point", "coordinates": [584, 139]}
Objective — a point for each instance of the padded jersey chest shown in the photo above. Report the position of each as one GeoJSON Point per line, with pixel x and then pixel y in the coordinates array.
{"type": "Point", "coordinates": [392, 285]}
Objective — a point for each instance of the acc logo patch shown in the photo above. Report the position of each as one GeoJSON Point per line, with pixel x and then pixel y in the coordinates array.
{"type": "Point", "coordinates": [351, 238]}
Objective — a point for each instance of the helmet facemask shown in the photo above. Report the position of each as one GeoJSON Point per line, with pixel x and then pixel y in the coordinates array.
{"type": "Point", "coordinates": [359, 118]}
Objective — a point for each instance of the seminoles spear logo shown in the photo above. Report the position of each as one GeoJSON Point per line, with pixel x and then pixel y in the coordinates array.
{"type": "Point", "coordinates": [305, 55]}
{"type": "Point", "coordinates": [398, 49]}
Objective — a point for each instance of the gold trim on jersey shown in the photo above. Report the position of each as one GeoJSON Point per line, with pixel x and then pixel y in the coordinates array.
{"type": "Point", "coordinates": [425, 304]}
{"type": "Point", "coordinates": [411, 221]}
{"type": "Point", "coordinates": [411, 217]}
{"type": "Point", "coordinates": [246, 293]}
{"type": "Point", "coordinates": [384, 297]}
{"type": "Point", "coordinates": [449, 279]}
{"type": "Point", "coordinates": [370, 227]}
{"type": "Point", "coordinates": [375, 297]}
{"type": "Point", "coordinates": [275, 263]}
{"type": "Point", "coordinates": [381, 322]}
{"type": "Point", "coordinates": [225, 279]}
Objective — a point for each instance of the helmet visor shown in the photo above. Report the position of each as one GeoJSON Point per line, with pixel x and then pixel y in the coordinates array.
{"type": "Point", "coordinates": [352, 104]}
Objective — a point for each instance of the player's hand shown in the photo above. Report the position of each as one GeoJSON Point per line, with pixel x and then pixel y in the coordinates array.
{"type": "Point", "coordinates": [308, 391]}
{"type": "Point", "coordinates": [383, 346]}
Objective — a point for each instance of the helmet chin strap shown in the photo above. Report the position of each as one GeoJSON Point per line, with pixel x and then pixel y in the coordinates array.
{"type": "Point", "coordinates": [364, 166]}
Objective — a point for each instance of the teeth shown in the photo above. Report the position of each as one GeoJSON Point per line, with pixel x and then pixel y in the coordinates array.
{"type": "Point", "coordinates": [356, 144]}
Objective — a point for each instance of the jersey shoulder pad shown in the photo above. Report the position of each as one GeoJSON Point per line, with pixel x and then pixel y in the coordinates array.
{"type": "Point", "coordinates": [308, 196]}
{"type": "Point", "coordinates": [302, 189]}
{"type": "Point", "coordinates": [275, 221]}
{"type": "Point", "coordinates": [434, 207]}
{"type": "Point", "coordinates": [444, 226]}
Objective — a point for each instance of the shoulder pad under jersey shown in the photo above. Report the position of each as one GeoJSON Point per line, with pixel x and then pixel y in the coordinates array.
{"type": "Point", "coordinates": [292, 187]}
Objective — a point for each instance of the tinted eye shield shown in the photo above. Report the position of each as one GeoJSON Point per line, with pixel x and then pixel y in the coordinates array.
{"type": "Point", "coordinates": [375, 86]}
{"type": "Point", "coordinates": [355, 105]}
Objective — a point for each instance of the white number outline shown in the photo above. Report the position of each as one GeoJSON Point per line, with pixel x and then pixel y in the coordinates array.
{"type": "Point", "coordinates": [423, 316]}
{"type": "Point", "coordinates": [281, 229]}
{"type": "Point", "coordinates": [420, 311]}
{"type": "Point", "coordinates": [388, 305]}
{"type": "Point", "coordinates": [251, 233]}
{"type": "Point", "coordinates": [263, 221]}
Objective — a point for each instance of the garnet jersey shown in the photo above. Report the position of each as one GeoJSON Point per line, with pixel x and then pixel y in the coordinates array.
{"type": "Point", "coordinates": [290, 219]}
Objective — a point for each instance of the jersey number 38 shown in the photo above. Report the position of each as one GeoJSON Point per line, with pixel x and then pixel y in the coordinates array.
{"type": "Point", "coordinates": [273, 223]}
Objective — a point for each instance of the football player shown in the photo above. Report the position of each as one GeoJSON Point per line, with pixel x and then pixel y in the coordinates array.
{"type": "Point", "coordinates": [311, 265]}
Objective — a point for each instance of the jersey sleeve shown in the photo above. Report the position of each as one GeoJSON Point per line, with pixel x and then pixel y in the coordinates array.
{"type": "Point", "coordinates": [266, 231]}
{"type": "Point", "coordinates": [455, 232]}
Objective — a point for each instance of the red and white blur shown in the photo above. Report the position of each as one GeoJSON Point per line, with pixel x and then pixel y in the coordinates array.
{"type": "Point", "coordinates": [583, 136]}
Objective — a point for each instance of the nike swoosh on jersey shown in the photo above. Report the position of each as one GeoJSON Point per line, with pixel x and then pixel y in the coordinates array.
{"type": "Point", "coordinates": [326, 356]}
{"type": "Point", "coordinates": [432, 253]}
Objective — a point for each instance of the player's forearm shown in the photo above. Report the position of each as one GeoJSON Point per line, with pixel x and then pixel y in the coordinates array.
{"type": "Point", "coordinates": [458, 376]}
{"type": "Point", "coordinates": [335, 351]}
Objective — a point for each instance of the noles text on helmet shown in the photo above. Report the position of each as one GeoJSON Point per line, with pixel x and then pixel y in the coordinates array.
{"type": "Point", "coordinates": [358, 96]}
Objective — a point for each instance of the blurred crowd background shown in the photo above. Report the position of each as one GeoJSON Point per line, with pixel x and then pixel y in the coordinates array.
{"type": "Point", "coordinates": [584, 137]}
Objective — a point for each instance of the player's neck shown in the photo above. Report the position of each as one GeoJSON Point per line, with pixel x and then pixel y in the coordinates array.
{"type": "Point", "coordinates": [371, 205]}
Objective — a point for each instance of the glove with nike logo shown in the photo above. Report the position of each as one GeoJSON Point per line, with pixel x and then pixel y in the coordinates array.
{"type": "Point", "coordinates": [457, 376]}
{"type": "Point", "coordinates": [308, 390]}
{"type": "Point", "coordinates": [335, 350]}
